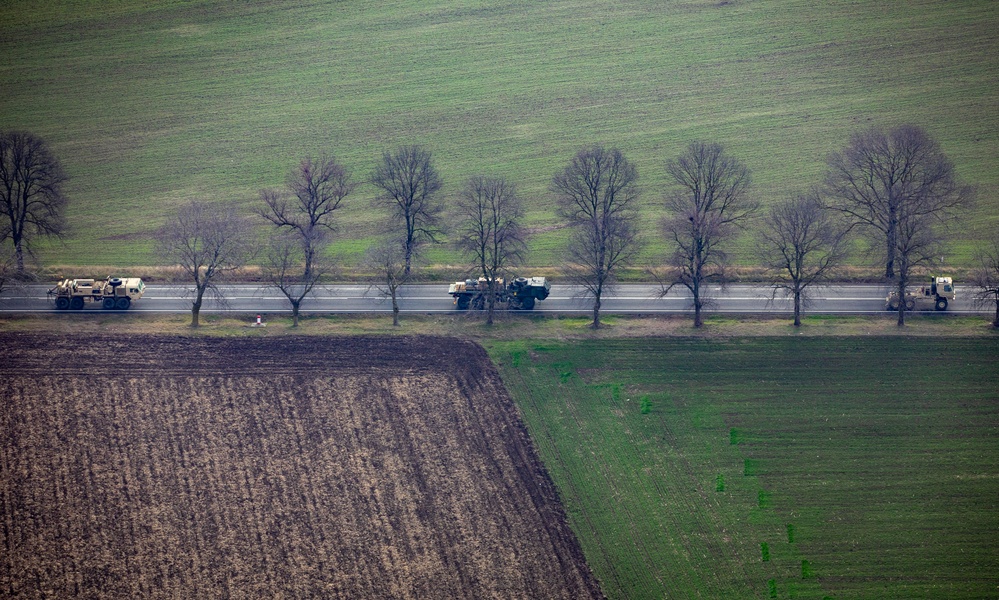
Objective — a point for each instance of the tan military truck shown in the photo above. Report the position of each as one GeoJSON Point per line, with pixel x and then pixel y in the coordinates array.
{"type": "Point", "coordinates": [519, 294]}
{"type": "Point", "coordinates": [935, 296]}
{"type": "Point", "coordinates": [113, 293]}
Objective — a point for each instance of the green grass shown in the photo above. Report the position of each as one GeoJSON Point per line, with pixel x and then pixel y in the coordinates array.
{"type": "Point", "coordinates": [150, 105]}
{"type": "Point", "coordinates": [842, 467]}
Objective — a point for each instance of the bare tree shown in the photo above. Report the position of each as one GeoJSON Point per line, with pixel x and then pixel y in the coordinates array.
{"type": "Point", "coordinates": [208, 242]}
{"type": "Point", "coordinates": [893, 180]}
{"type": "Point", "coordinates": [31, 197]}
{"type": "Point", "coordinates": [801, 245]}
{"type": "Point", "coordinates": [408, 183]}
{"type": "Point", "coordinates": [710, 202]}
{"type": "Point", "coordinates": [286, 267]}
{"type": "Point", "coordinates": [985, 277]}
{"type": "Point", "coordinates": [295, 263]}
{"type": "Point", "coordinates": [597, 193]}
{"type": "Point", "coordinates": [489, 230]}
{"type": "Point", "coordinates": [318, 189]}
{"type": "Point", "coordinates": [916, 244]}
{"type": "Point", "coordinates": [388, 260]}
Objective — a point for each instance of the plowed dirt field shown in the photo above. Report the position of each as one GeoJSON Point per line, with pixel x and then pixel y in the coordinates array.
{"type": "Point", "coordinates": [292, 467]}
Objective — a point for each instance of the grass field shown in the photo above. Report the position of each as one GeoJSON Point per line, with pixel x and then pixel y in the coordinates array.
{"type": "Point", "coordinates": [817, 467]}
{"type": "Point", "coordinates": [152, 104]}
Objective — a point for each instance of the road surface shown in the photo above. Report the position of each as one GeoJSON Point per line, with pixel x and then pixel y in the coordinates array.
{"type": "Point", "coordinates": [433, 298]}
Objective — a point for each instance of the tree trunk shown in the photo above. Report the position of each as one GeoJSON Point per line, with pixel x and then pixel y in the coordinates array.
{"type": "Point", "coordinates": [409, 254]}
{"type": "Point", "coordinates": [294, 313]}
{"type": "Point", "coordinates": [596, 312]}
{"type": "Point", "coordinates": [309, 253]}
{"type": "Point", "coordinates": [995, 321]}
{"type": "Point", "coordinates": [196, 307]}
{"type": "Point", "coordinates": [890, 241]}
{"type": "Point", "coordinates": [395, 310]}
{"type": "Point", "coordinates": [797, 308]}
{"type": "Point", "coordinates": [490, 303]}
{"type": "Point", "coordinates": [695, 290]}
{"type": "Point", "coordinates": [19, 254]}
{"type": "Point", "coordinates": [901, 302]}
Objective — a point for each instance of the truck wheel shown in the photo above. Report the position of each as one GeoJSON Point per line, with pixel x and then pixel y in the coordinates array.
{"type": "Point", "coordinates": [108, 303]}
{"type": "Point", "coordinates": [910, 305]}
{"type": "Point", "coordinates": [941, 304]}
{"type": "Point", "coordinates": [463, 302]}
{"type": "Point", "coordinates": [527, 303]}
{"type": "Point", "coordinates": [479, 303]}
{"type": "Point", "coordinates": [114, 282]}
{"type": "Point", "coordinates": [123, 303]}
{"type": "Point", "coordinates": [62, 303]}
{"type": "Point", "coordinates": [76, 303]}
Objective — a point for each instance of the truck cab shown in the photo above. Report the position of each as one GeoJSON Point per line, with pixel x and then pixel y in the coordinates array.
{"type": "Point", "coordinates": [934, 296]}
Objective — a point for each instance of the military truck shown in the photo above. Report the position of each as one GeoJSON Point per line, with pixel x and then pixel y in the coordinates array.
{"type": "Point", "coordinates": [935, 296]}
{"type": "Point", "coordinates": [113, 293]}
{"type": "Point", "coordinates": [519, 294]}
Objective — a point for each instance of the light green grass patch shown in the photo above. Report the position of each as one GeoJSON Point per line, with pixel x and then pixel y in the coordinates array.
{"type": "Point", "coordinates": [861, 467]}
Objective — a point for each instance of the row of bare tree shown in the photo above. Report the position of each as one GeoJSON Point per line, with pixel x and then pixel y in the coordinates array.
{"type": "Point", "coordinates": [895, 186]}
{"type": "Point", "coordinates": [891, 192]}
{"type": "Point", "coordinates": [210, 240]}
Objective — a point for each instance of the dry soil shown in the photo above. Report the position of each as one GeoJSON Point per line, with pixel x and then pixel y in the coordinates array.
{"type": "Point", "coordinates": [156, 466]}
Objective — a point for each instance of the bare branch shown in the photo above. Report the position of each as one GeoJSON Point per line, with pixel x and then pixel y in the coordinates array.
{"type": "Point", "coordinates": [985, 277]}
{"type": "Point", "coordinates": [388, 259]}
{"type": "Point", "coordinates": [318, 187]}
{"type": "Point", "coordinates": [209, 242]}
{"type": "Point", "coordinates": [408, 184]}
{"type": "Point", "coordinates": [801, 245]}
{"type": "Point", "coordinates": [899, 183]}
{"type": "Point", "coordinates": [597, 193]}
{"type": "Point", "coordinates": [31, 197]}
{"type": "Point", "coordinates": [709, 203]}
{"type": "Point", "coordinates": [285, 267]}
{"type": "Point", "coordinates": [305, 221]}
{"type": "Point", "coordinates": [489, 230]}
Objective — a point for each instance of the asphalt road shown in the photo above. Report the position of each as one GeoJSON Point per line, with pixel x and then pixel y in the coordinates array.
{"type": "Point", "coordinates": [360, 298]}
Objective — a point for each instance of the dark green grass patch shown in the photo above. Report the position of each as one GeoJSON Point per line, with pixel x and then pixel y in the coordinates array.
{"type": "Point", "coordinates": [150, 105]}
{"type": "Point", "coordinates": [874, 462]}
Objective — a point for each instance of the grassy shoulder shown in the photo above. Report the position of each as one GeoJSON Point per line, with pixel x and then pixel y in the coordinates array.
{"type": "Point", "coordinates": [449, 272]}
{"type": "Point", "coordinates": [510, 326]}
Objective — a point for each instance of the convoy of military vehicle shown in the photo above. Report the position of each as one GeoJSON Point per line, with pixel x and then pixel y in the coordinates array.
{"type": "Point", "coordinates": [114, 293]}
